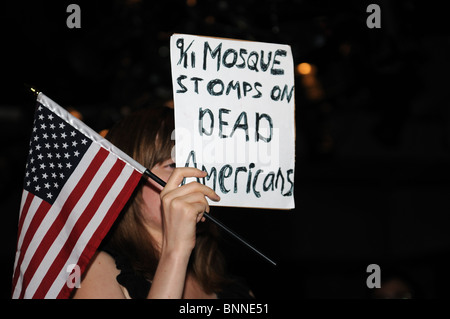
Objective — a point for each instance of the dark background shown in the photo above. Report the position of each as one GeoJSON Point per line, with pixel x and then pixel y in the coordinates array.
{"type": "Point", "coordinates": [373, 126]}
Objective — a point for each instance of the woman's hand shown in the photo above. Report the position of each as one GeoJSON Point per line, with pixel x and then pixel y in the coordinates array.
{"type": "Point", "coordinates": [182, 208]}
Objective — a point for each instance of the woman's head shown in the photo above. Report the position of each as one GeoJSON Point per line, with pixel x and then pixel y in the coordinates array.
{"type": "Point", "coordinates": [146, 137]}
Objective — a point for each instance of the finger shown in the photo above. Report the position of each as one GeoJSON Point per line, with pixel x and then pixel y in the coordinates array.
{"type": "Point", "coordinates": [180, 173]}
{"type": "Point", "coordinates": [187, 204]}
{"type": "Point", "coordinates": [193, 187]}
{"type": "Point", "coordinates": [195, 198]}
{"type": "Point", "coordinates": [200, 210]}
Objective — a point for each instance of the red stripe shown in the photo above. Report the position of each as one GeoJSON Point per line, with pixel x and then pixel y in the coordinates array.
{"type": "Point", "coordinates": [80, 225]}
{"type": "Point", "coordinates": [104, 227]}
{"type": "Point", "coordinates": [39, 215]}
{"type": "Point", "coordinates": [23, 213]}
{"type": "Point", "coordinates": [59, 222]}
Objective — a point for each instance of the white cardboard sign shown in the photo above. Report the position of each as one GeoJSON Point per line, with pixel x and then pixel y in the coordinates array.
{"type": "Point", "coordinates": [235, 118]}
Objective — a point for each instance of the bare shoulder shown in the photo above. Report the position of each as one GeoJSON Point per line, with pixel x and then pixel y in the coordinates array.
{"type": "Point", "coordinates": [99, 279]}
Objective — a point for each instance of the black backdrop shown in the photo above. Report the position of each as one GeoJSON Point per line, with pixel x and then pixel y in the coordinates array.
{"type": "Point", "coordinates": [373, 127]}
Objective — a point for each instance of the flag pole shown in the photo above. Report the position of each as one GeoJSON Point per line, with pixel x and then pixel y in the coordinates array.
{"type": "Point", "coordinates": [215, 221]}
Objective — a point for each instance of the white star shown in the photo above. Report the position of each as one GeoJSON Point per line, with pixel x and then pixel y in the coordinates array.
{"type": "Point", "coordinates": [72, 133]}
{"type": "Point", "coordinates": [42, 166]}
{"type": "Point", "coordinates": [58, 156]}
{"type": "Point", "coordinates": [35, 179]}
{"type": "Point", "coordinates": [47, 145]}
{"type": "Point", "coordinates": [55, 146]}
{"type": "Point", "coordinates": [65, 145]}
{"type": "Point", "coordinates": [66, 155]}
{"type": "Point", "coordinates": [74, 143]}
{"type": "Point", "coordinates": [28, 183]}
{"type": "Point", "coordinates": [40, 157]}
{"type": "Point", "coordinates": [50, 117]}
{"type": "Point", "coordinates": [47, 185]}
{"type": "Point", "coordinates": [38, 147]}
{"type": "Point", "coordinates": [52, 126]}
{"type": "Point", "coordinates": [61, 175]}
{"type": "Point", "coordinates": [32, 160]}
{"type": "Point", "coordinates": [43, 126]}
{"type": "Point", "coordinates": [54, 136]}
{"type": "Point", "coordinates": [45, 135]}
{"type": "Point", "coordinates": [33, 169]}
{"type": "Point", "coordinates": [69, 165]}
{"type": "Point", "coordinates": [49, 195]}
{"type": "Point", "coordinates": [76, 153]}
{"type": "Point", "coordinates": [56, 185]}
{"type": "Point", "coordinates": [83, 141]}
{"type": "Point", "coordinates": [63, 135]}
{"type": "Point", "coordinates": [60, 165]}
{"type": "Point", "coordinates": [49, 155]}
{"type": "Point", "coordinates": [54, 175]}
{"type": "Point", "coordinates": [41, 117]}
{"type": "Point", "coordinates": [52, 165]}
{"type": "Point", "coordinates": [61, 125]}
{"type": "Point", "coordinates": [36, 138]}
{"type": "Point", "coordinates": [37, 188]}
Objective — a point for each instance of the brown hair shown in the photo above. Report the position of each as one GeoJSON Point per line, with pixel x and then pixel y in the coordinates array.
{"type": "Point", "coordinates": [146, 136]}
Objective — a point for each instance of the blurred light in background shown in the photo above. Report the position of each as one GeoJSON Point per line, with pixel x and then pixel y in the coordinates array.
{"type": "Point", "coordinates": [103, 133]}
{"type": "Point", "coordinates": [75, 113]}
{"type": "Point", "coordinates": [313, 88]}
{"type": "Point", "coordinates": [304, 68]}
{"type": "Point", "coordinates": [191, 3]}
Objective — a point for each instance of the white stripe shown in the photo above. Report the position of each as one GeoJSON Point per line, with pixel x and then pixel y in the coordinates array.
{"type": "Point", "coordinates": [89, 231]}
{"type": "Point", "coordinates": [23, 200]}
{"type": "Point", "coordinates": [18, 287]}
{"type": "Point", "coordinates": [78, 209]}
{"type": "Point", "coordinates": [22, 203]}
{"type": "Point", "coordinates": [54, 211]}
{"type": "Point", "coordinates": [34, 205]}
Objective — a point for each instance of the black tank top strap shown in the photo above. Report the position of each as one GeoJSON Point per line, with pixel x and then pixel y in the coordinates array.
{"type": "Point", "coordinates": [136, 285]}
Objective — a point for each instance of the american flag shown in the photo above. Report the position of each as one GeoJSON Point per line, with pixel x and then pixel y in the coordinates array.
{"type": "Point", "coordinates": [75, 185]}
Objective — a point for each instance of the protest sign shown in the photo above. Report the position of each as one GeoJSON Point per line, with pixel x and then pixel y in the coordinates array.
{"type": "Point", "coordinates": [235, 118]}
